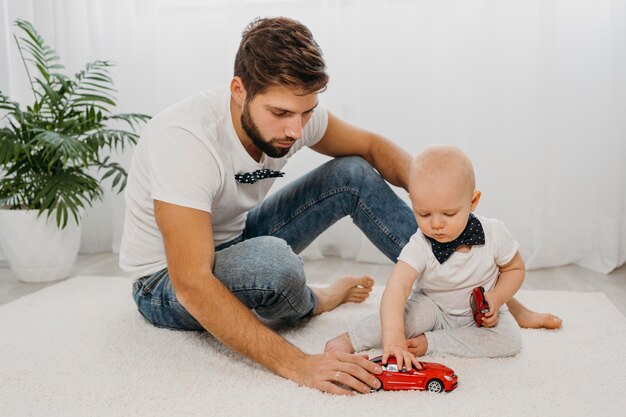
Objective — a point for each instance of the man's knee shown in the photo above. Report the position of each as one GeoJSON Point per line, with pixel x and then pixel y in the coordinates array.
{"type": "Point", "coordinates": [285, 298]}
{"type": "Point", "coordinates": [277, 260]}
{"type": "Point", "coordinates": [353, 167]}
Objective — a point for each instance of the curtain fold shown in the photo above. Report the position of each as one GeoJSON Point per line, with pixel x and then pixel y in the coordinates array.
{"type": "Point", "coordinates": [534, 91]}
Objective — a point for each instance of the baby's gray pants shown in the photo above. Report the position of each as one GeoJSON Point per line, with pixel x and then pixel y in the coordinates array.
{"type": "Point", "coordinates": [446, 334]}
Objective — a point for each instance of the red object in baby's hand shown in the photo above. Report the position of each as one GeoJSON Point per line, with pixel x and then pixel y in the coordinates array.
{"type": "Point", "coordinates": [479, 305]}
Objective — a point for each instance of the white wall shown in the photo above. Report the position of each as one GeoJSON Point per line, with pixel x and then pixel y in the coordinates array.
{"type": "Point", "coordinates": [533, 90]}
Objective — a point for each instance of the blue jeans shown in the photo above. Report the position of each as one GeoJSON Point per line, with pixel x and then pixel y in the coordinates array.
{"type": "Point", "coordinates": [261, 267]}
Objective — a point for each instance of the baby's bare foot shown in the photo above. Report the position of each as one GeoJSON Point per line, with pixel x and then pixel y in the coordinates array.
{"type": "Point", "coordinates": [532, 320]}
{"type": "Point", "coordinates": [340, 343]}
{"type": "Point", "coordinates": [344, 290]}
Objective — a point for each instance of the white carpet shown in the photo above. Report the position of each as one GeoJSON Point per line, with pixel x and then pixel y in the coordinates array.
{"type": "Point", "coordinates": [79, 348]}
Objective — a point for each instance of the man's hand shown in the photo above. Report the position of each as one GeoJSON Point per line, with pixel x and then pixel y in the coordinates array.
{"type": "Point", "coordinates": [495, 302]}
{"type": "Point", "coordinates": [328, 371]}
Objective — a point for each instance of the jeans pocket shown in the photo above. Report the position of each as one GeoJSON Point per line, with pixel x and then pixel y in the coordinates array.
{"type": "Point", "coordinates": [151, 281]}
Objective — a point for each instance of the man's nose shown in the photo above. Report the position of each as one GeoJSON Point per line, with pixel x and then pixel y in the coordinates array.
{"type": "Point", "coordinates": [294, 128]}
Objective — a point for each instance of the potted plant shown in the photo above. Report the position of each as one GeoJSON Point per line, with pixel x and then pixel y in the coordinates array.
{"type": "Point", "coordinates": [49, 154]}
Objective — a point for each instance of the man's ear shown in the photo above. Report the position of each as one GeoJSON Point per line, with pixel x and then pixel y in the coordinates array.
{"type": "Point", "coordinates": [237, 91]}
{"type": "Point", "coordinates": [475, 199]}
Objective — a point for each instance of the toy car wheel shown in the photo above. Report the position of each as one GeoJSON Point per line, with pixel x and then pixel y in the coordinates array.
{"type": "Point", "coordinates": [434, 385]}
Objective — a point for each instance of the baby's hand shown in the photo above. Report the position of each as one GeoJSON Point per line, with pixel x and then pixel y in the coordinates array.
{"type": "Point", "coordinates": [400, 351]}
{"type": "Point", "coordinates": [495, 302]}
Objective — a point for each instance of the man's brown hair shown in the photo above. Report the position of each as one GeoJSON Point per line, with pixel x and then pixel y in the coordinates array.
{"type": "Point", "coordinates": [279, 52]}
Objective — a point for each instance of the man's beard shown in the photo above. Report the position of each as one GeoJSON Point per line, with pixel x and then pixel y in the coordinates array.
{"type": "Point", "coordinates": [254, 134]}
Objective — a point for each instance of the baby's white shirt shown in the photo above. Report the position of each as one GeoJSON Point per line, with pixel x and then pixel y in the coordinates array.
{"type": "Point", "coordinates": [450, 284]}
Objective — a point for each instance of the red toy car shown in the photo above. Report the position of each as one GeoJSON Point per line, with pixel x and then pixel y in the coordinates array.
{"type": "Point", "coordinates": [479, 305]}
{"type": "Point", "coordinates": [433, 377]}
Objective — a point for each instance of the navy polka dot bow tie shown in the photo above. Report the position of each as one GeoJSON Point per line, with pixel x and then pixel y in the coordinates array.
{"type": "Point", "coordinates": [472, 235]}
{"type": "Point", "coordinates": [259, 174]}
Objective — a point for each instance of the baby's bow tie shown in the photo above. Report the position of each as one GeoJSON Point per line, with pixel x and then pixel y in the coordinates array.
{"type": "Point", "coordinates": [473, 234]}
{"type": "Point", "coordinates": [259, 174]}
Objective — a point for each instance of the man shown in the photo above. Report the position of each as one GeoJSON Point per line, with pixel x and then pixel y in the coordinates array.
{"type": "Point", "coordinates": [207, 244]}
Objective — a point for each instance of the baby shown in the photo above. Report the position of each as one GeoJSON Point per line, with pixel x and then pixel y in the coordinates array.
{"type": "Point", "coordinates": [426, 299]}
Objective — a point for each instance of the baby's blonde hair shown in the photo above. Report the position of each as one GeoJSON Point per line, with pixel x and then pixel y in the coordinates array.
{"type": "Point", "coordinates": [439, 160]}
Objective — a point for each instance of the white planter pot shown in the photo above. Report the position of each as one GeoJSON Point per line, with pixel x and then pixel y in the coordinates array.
{"type": "Point", "coordinates": [35, 248]}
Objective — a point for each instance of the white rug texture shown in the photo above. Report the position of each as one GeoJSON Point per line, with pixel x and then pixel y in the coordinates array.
{"type": "Point", "coordinates": [80, 348]}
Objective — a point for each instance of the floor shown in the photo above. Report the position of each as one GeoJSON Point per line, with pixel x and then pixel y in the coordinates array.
{"type": "Point", "coordinates": [571, 278]}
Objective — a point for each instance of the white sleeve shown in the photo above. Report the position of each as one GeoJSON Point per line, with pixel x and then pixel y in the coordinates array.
{"type": "Point", "coordinates": [317, 126]}
{"type": "Point", "coordinates": [184, 170]}
{"type": "Point", "coordinates": [505, 246]}
{"type": "Point", "coordinates": [413, 253]}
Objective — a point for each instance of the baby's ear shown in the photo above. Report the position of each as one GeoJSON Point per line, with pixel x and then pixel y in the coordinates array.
{"type": "Point", "coordinates": [475, 199]}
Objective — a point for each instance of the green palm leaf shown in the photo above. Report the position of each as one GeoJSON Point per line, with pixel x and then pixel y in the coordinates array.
{"type": "Point", "coordinates": [112, 138]}
{"type": "Point", "coordinates": [134, 120]}
{"type": "Point", "coordinates": [57, 147]}
{"type": "Point", "coordinates": [47, 149]}
{"type": "Point", "coordinates": [10, 146]}
{"type": "Point", "coordinates": [67, 193]}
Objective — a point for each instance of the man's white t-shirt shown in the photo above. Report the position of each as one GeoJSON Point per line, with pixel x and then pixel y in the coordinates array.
{"type": "Point", "coordinates": [188, 155]}
{"type": "Point", "coordinates": [449, 284]}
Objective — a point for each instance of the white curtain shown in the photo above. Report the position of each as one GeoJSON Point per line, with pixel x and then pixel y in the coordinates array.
{"type": "Point", "coordinates": [533, 90]}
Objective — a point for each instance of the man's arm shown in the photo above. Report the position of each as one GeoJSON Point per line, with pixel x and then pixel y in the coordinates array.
{"type": "Point", "coordinates": [342, 139]}
{"type": "Point", "coordinates": [188, 239]}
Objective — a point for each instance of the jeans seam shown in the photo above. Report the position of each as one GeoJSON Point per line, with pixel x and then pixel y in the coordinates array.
{"type": "Point", "coordinates": [309, 204]}
{"type": "Point", "coordinates": [269, 289]}
{"type": "Point", "coordinates": [330, 193]}
{"type": "Point", "coordinates": [381, 226]}
{"type": "Point", "coordinates": [148, 288]}
{"type": "Point", "coordinates": [155, 300]}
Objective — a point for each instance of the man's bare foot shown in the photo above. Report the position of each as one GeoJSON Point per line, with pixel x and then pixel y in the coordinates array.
{"type": "Point", "coordinates": [418, 346]}
{"type": "Point", "coordinates": [530, 319]}
{"type": "Point", "coordinates": [340, 343]}
{"type": "Point", "coordinates": [344, 290]}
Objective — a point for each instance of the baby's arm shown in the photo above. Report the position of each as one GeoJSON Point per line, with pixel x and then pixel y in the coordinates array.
{"type": "Point", "coordinates": [392, 305]}
{"type": "Point", "coordinates": [509, 281]}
